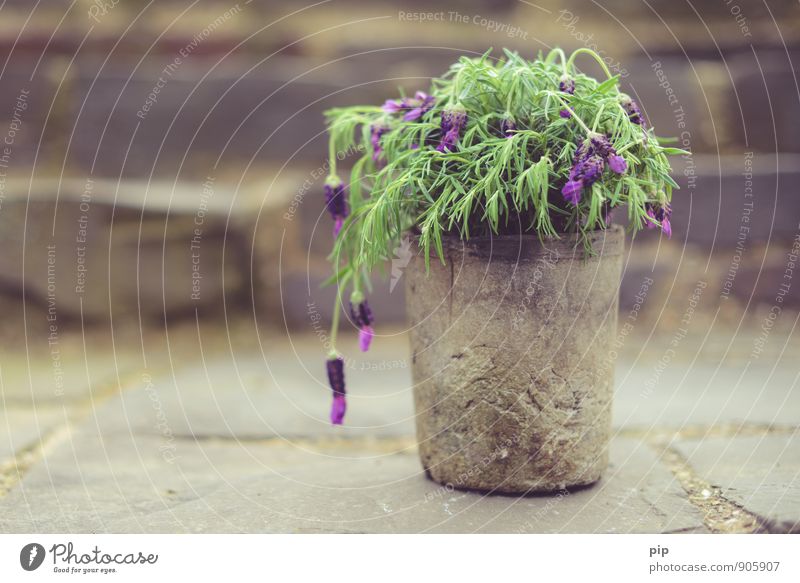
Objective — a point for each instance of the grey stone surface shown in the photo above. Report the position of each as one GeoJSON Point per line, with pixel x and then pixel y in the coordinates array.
{"type": "Point", "coordinates": [285, 393]}
{"type": "Point", "coordinates": [127, 484]}
{"type": "Point", "coordinates": [686, 393]}
{"type": "Point", "coordinates": [23, 428]}
{"type": "Point", "coordinates": [36, 371]}
{"type": "Point", "coordinates": [245, 394]}
{"type": "Point", "coordinates": [511, 368]}
{"type": "Point", "coordinates": [213, 444]}
{"type": "Point", "coordinates": [90, 481]}
{"type": "Point", "coordinates": [761, 473]}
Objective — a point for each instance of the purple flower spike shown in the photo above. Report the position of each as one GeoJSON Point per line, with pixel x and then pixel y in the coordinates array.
{"type": "Point", "coordinates": [392, 105]}
{"type": "Point", "coordinates": [588, 165]}
{"type": "Point", "coordinates": [602, 147]}
{"type": "Point", "coordinates": [421, 103]}
{"type": "Point", "coordinates": [336, 203]}
{"type": "Point", "coordinates": [633, 111]}
{"type": "Point", "coordinates": [413, 108]}
{"type": "Point", "coordinates": [617, 164]}
{"type": "Point", "coordinates": [665, 216]}
{"type": "Point", "coordinates": [508, 127]}
{"type": "Point", "coordinates": [566, 85]}
{"type": "Point", "coordinates": [338, 223]}
{"type": "Point", "coordinates": [651, 221]}
{"type": "Point", "coordinates": [600, 144]}
{"type": "Point", "coordinates": [658, 213]}
{"type": "Point", "coordinates": [453, 122]}
{"type": "Point", "coordinates": [666, 227]}
{"type": "Point", "coordinates": [362, 317]}
{"type": "Point", "coordinates": [335, 368]}
{"type": "Point", "coordinates": [592, 170]}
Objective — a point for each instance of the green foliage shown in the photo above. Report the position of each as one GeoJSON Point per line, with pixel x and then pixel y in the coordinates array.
{"type": "Point", "coordinates": [491, 183]}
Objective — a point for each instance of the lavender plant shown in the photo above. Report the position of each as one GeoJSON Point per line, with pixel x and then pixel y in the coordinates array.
{"type": "Point", "coordinates": [494, 147]}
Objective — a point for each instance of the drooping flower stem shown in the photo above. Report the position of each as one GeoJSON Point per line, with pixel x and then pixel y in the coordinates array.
{"type": "Point", "coordinates": [337, 308]}
{"type": "Point", "coordinates": [331, 159]}
{"type": "Point", "coordinates": [594, 55]}
{"type": "Point", "coordinates": [557, 52]}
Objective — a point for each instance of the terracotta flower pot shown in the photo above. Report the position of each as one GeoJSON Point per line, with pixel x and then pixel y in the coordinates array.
{"type": "Point", "coordinates": [512, 375]}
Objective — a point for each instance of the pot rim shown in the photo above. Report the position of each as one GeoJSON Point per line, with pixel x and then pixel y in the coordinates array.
{"type": "Point", "coordinates": [607, 242]}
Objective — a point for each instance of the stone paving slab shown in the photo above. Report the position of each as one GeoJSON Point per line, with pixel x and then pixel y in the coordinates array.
{"type": "Point", "coordinates": [22, 428]}
{"type": "Point", "coordinates": [145, 484]}
{"type": "Point", "coordinates": [286, 389]}
{"type": "Point", "coordinates": [35, 373]}
{"type": "Point", "coordinates": [233, 440]}
{"type": "Point", "coordinates": [392, 496]}
{"type": "Point", "coordinates": [705, 394]}
{"type": "Point", "coordinates": [284, 392]}
{"type": "Point", "coordinates": [91, 482]}
{"type": "Point", "coordinates": [761, 473]}
{"type": "Point", "coordinates": [249, 397]}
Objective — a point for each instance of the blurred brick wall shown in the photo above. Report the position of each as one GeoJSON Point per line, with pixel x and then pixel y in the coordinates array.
{"type": "Point", "coordinates": [241, 88]}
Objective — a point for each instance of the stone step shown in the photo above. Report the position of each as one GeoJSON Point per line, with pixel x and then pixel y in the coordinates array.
{"type": "Point", "coordinates": [94, 248]}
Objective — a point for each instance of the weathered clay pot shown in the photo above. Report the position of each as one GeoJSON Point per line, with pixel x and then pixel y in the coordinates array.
{"type": "Point", "coordinates": [511, 343]}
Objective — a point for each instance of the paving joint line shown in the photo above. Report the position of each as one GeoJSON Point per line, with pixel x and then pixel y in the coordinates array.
{"type": "Point", "coordinates": [14, 470]}
{"type": "Point", "coordinates": [720, 515]}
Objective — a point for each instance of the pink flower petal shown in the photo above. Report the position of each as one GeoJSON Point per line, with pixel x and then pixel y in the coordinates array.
{"type": "Point", "coordinates": [365, 337]}
{"type": "Point", "coordinates": [338, 408]}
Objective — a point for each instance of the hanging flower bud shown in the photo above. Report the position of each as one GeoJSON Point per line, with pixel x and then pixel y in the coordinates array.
{"type": "Point", "coordinates": [566, 85]}
{"type": "Point", "coordinates": [600, 144]}
{"type": "Point", "coordinates": [335, 366]}
{"type": "Point", "coordinates": [376, 131]}
{"type": "Point", "coordinates": [421, 103]}
{"type": "Point", "coordinates": [666, 220]}
{"type": "Point", "coordinates": [632, 109]}
{"type": "Point", "coordinates": [508, 126]}
{"type": "Point", "coordinates": [393, 105]}
{"type": "Point", "coordinates": [605, 150]}
{"type": "Point", "coordinates": [453, 122]}
{"type": "Point", "coordinates": [412, 108]}
{"type": "Point", "coordinates": [336, 203]}
{"type": "Point", "coordinates": [617, 164]}
{"type": "Point", "coordinates": [362, 317]}
{"type": "Point", "coordinates": [584, 172]}
{"type": "Point", "coordinates": [659, 214]}
{"type": "Point", "coordinates": [588, 164]}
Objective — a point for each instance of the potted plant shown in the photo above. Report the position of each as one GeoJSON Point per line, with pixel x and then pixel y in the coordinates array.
{"type": "Point", "coordinates": [505, 174]}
